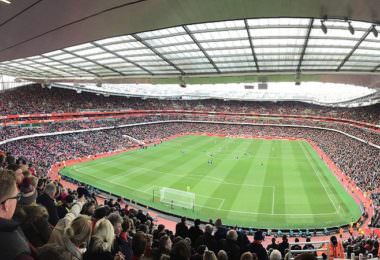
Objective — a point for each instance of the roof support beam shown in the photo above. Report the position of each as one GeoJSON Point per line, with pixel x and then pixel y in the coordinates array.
{"type": "Point", "coordinates": [22, 69]}
{"type": "Point", "coordinates": [305, 44]}
{"type": "Point", "coordinates": [354, 49]}
{"type": "Point", "coordinates": [39, 70]}
{"type": "Point", "coordinates": [122, 57]}
{"type": "Point", "coordinates": [251, 45]}
{"type": "Point", "coordinates": [139, 39]}
{"type": "Point", "coordinates": [72, 66]}
{"type": "Point", "coordinates": [95, 62]}
{"type": "Point", "coordinates": [376, 68]}
{"type": "Point", "coordinates": [201, 48]}
{"type": "Point", "coordinates": [51, 67]}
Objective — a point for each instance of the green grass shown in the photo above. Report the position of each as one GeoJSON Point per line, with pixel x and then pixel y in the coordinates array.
{"type": "Point", "coordinates": [251, 183]}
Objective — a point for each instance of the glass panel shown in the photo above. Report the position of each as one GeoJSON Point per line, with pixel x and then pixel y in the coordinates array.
{"type": "Point", "coordinates": [277, 42]}
{"type": "Point", "coordinates": [100, 56]}
{"type": "Point", "coordinates": [325, 62]}
{"type": "Point", "coordinates": [273, 32]}
{"type": "Point", "coordinates": [53, 53]}
{"type": "Point", "coordinates": [238, 69]}
{"type": "Point", "coordinates": [74, 60]}
{"type": "Point", "coordinates": [190, 61]}
{"type": "Point", "coordinates": [234, 64]}
{"type": "Point", "coordinates": [196, 66]}
{"type": "Point", "coordinates": [63, 56]}
{"type": "Point", "coordinates": [135, 52]}
{"type": "Point", "coordinates": [170, 40]}
{"type": "Point", "coordinates": [332, 42]}
{"type": "Point", "coordinates": [217, 25]}
{"type": "Point", "coordinates": [229, 52]}
{"type": "Point", "coordinates": [179, 48]}
{"type": "Point", "coordinates": [113, 60]}
{"type": "Point", "coordinates": [368, 52]}
{"type": "Point", "coordinates": [232, 58]}
{"type": "Point", "coordinates": [284, 50]}
{"type": "Point", "coordinates": [361, 63]}
{"type": "Point", "coordinates": [89, 51]}
{"type": "Point", "coordinates": [162, 32]}
{"type": "Point", "coordinates": [184, 55]}
{"type": "Point", "coordinates": [79, 47]}
{"type": "Point", "coordinates": [115, 39]}
{"type": "Point", "coordinates": [221, 35]}
{"type": "Point", "coordinates": [297, 22]}
{"type": "Point", "coordinates": [224, 44]}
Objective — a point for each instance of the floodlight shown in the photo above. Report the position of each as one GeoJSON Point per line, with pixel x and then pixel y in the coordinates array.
{"type": "Point", "coordinates": [350, 27]}
{"type": "Point", "coordinates": [374, 31]}
{"type": "Point", "coordinates": [323, 26]}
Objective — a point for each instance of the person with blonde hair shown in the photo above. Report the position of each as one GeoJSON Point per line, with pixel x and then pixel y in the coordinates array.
{"type": "Point", "coordinates": [101, 242]}
{"type": "Point", "coordinates": [209, 255]}
{"type": "Point", "coordinates": [74, 237]}
{"type": "Point", "coordinates": [222, 255]}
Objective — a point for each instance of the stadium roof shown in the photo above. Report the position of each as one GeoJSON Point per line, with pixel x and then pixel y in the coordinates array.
{"type": "Point", "coordinates": [76, 40]}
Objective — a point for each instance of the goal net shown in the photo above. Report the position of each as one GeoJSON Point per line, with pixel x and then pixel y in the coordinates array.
{"type": "Point", "coordinates": [177, 198]}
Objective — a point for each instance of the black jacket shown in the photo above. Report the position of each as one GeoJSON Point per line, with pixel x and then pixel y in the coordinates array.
{"type": "Point", "coordinates": [231, 247]}
{"type": "Point", "coordinates": [123, 246]}
{"type": "Point", "coordinates": [194, 233]}
{"type": "Point", "coordinates": [49, 204]}
{"type": "Point", "coordinates": [259, 250]}
{"type": "Point", "coordinates": [209, 241]}
{"type": "Point", "coordinates": [13, 242]}
{"type": "Point", "coordinates": [181, 230]}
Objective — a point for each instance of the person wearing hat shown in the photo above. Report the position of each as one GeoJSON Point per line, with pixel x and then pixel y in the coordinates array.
{"type": "Point", "coordinates": [257, 247]}
{"type": "Point", "coordinates": [65, 206]}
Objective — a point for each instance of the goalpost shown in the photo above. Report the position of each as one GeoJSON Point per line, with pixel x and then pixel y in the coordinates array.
{"type": "Point", "coordinates": [178, 198]}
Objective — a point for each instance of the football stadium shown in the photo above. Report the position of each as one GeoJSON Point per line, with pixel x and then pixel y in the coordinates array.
{"type": "Point", "coordinates": [189, 129]}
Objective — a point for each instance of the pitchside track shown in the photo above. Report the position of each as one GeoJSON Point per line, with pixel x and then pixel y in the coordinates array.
{"type": "Point", "coordinates": [246, 182]}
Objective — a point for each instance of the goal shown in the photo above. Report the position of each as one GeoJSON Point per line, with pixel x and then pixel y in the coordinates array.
{"type": "Point", "coordinates": [177, 198]}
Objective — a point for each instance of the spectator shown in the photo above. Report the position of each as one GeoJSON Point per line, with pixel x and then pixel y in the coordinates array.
{"type": "Point", "coordinates": [335, 248]}
{"type": "Point", "coordinates": [308, 245]}
{"type": "Point", "coordinates": [246, 256]}
{"type": "Point", "coordinates": [181, 228]}
{"type": "Point", "coordinates": [222, 255]}
{"type": "Point", "coordinates": [229, 245]}
{"type": "Point", "coordinates": [207, 239]}
{"type": "Point", "coordinates": [180, 251]}
{"type": "Point", "coordinates": [221, 231]}
{"type": "Point", "coordinates": [257, 247]}
{"type": "Point", "coordinates": [14, 244]}
{"type": "Point", "coordinates": [65, 207]}
{"type": "Point", "coordinates": [164, 247]}
{"type": "Point", "coordinates": [139, 243]}
{"type": "Point", "coordinates": [283, 245]}
{"type": "Point", "coordinates": [296, 246]}
{"type": "Point", "coordinates": [101, 242]}
{"type": "Point", "coordinates": [51, 251]}
{"type": "Point", "coordinates": [195, 232]}
{"type": "Point", "coordinates": [47, 200]}
{"type": "Point", "coordinates": [209, 255]}
{"type": "Point", "coordinates": [74, 237]}
{"type": "Point", "coordinates": [120, 244]}
{"type": "Point", "coordinates": [34, 223]}
{"type": "Point", "coordinates": [273, 245]}
{"type": "Point", "coordinates": [275, 255]}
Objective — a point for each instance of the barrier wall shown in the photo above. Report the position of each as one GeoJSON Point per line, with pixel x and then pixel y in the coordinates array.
{"type": "Point", "coordinates": [93, 115]}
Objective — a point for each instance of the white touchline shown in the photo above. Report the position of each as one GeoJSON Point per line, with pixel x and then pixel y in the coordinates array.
{"type": "Point", "coordinates": [315, 172]}
{"type": "Point", "coordinates": [273, 192]}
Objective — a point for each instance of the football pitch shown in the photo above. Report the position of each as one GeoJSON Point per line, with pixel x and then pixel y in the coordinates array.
{"type": "Point", "coordinates": [277, 184]}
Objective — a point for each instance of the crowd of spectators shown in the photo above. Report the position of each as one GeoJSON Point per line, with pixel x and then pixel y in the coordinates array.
{"type": "Point", "coordinates": [34, 99]}
{"type": "Point", "coordinates": [48, 221]}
